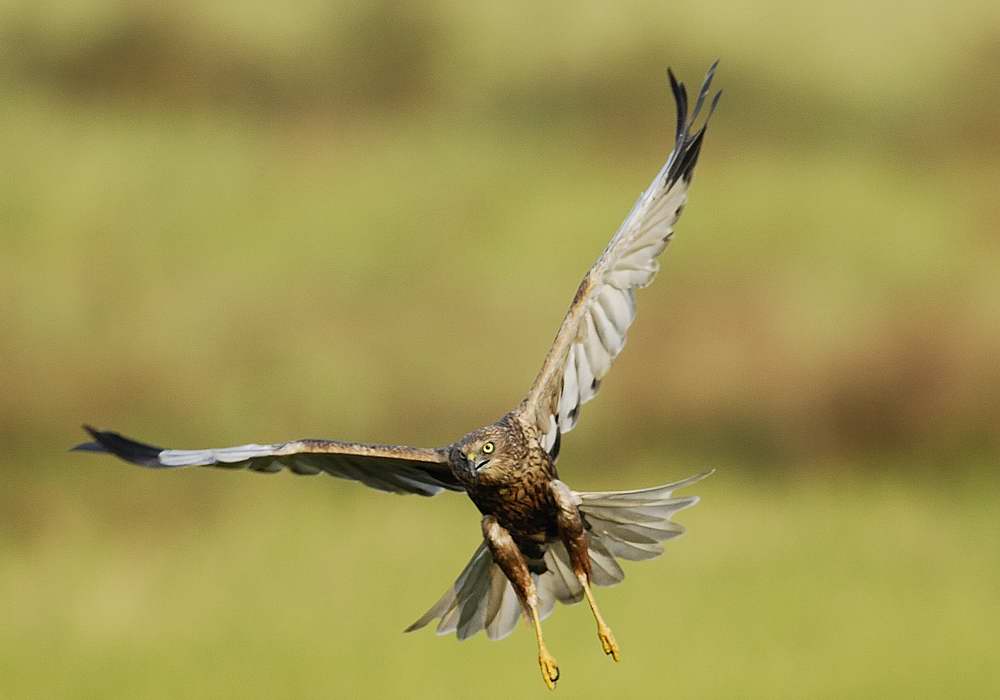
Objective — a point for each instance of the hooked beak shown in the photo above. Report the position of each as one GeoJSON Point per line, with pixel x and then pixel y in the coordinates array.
{"type": "Point", "coordinates": [474, 462]}
{"type": "Point", "coordinates": [467, 465]}
{"type": "Point", "coordinates": [477, 462]}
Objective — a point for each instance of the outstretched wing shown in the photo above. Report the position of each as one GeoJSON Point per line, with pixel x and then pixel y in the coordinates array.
{"type": "Point", "coordinates": [385, 467]}
{"type": "Point", "coordinates": [593, 331]}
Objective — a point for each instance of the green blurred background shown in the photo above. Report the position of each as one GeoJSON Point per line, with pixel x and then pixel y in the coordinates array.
{"type": "Point", "coordinates": [232, 222]}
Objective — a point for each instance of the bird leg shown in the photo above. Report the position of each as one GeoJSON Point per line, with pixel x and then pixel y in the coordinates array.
{"type": "Point", "coordinates": [546, 662]}
{"type": "Point", "coordinates": [574, 536]}
{"type": "Point", "coordinates": [508, 557]}
{"type": "Point", "coordinates": [604, 632]}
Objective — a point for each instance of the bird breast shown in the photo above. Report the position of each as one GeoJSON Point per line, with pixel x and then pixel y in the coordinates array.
{"type": "Point", "coordinates": [521, 502]}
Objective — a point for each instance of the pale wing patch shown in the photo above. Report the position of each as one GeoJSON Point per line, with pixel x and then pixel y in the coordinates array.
{"type": "Point", "coordinates": [609, 309]}
{"type": "Point", "coordinates": [225, 455]}
{"type": "Point", "coordinates": [594, 330]}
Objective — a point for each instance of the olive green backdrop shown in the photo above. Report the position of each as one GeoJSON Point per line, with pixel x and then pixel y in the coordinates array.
{"type": "Point", "coordinates": [234, 222]}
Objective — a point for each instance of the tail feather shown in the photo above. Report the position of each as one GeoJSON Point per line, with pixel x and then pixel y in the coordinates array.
{"type": "Point", "coordinates": [560, 578]}
{"type": "Point", "coordinates": [473, 600]}
{"type": "Point", "coordinates": [631, 551]}
{"type": "Point", "coordinates": [448, 603]}
{"type": "Point", "coordinates": [604, 568]}
{"type": "Point", "coordinates": [629, 525]}
{"type": "Point", "coordinates": [508, 613]}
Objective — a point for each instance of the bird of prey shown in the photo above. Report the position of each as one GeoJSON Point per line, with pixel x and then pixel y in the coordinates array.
{"type": "Point", "coordinates": [542, 541]}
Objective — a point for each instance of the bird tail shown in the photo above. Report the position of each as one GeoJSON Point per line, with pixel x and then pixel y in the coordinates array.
{"type": "Point", "coordinates": [628, 525]}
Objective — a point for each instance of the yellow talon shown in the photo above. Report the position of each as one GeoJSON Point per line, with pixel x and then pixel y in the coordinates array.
{"type": "Point", "coordinates": [549, 667]}
{"type": "Point", "coordinates": [608, 643]}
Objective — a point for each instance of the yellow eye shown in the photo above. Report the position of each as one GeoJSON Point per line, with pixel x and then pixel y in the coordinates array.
{"type": "Point", "coordinates": [488, 448]}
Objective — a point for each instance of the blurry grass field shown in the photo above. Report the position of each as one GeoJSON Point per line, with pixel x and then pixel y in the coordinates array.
{"type": "Point", "coordinates": [283, 587]}
{"type": "Point", "coordinates": [243, 222]}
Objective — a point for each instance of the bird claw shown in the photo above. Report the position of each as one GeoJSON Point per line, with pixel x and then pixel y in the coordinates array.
{"type": "Point", "coordinates": [608, 643]}
{"type": "Point", "coordinates": [550, 670]}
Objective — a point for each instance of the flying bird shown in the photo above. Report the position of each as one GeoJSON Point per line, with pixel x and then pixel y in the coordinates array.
{"type": "Point", "coordinates": [542, 541]}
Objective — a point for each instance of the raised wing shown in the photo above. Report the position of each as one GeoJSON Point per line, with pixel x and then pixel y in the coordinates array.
{"type": "Point", "coordinates": [593, 331]}
{"type": "Point", "coordinates": [385, 467]}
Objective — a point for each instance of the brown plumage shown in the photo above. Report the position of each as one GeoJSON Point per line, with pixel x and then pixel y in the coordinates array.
{"type": "Point", "coordinates": [513, 484]}
{"type": "Point", "coordinates": [542, 541]}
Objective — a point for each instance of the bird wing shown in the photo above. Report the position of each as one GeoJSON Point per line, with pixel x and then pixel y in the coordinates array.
{"type": "Point", "coordinates": [593, 331]}
{"type": "Point", "coordinates": [392, 468]}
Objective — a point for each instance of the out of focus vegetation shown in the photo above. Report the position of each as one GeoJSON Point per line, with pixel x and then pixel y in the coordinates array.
{"type": "Point", "coordinates": [234, 222]}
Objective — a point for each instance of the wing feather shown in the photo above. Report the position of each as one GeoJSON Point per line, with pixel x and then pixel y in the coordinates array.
{"type": "Point", "coordinates": [593, 332]}
{"type": "Point", "coordinates": [393, 468]}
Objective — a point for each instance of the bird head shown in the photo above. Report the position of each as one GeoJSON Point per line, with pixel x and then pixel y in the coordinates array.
{"type": "Point", "coordinates": [479, 453]}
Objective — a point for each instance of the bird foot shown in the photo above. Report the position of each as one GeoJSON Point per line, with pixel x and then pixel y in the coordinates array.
{"type": "Point", "coordinates": [550, 669]}
{"type": "Point", "coordinates": [608, 643]}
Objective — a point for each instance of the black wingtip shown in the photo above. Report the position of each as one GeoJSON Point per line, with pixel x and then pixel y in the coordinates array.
{"type": "Point", "coordinates": [688, 145]}
{"type": "Point", "coordinates": [87, 447]}
{"type": "Point", "coordinates": [675, 84]}
{"type": "Point", "coordinates": [715, 103]}
{"type": "Point", "coordinates": [680, 98]}
{"type": "Point", "coordinates": [120, 446]}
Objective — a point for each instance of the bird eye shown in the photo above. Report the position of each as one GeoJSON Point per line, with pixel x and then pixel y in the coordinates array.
{"type": "Point", "coordinates": [488, 448]}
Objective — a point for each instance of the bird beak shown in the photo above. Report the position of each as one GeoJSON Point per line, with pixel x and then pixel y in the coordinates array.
{"type": "Point", "coordinates": [467, 464]}
{"type": "Point", "coordinates": [476, 461]}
